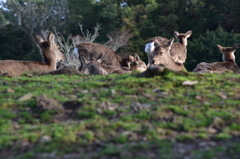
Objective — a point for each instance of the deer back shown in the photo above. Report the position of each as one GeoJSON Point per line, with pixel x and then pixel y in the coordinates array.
{"type": "Point", "coordinates": [92, 50]}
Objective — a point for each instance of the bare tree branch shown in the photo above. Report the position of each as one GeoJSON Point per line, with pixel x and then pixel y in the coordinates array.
{"type": "Point", "coordinates": [117, 39]}
{"type": "Point", "coordinates": [87, 36]}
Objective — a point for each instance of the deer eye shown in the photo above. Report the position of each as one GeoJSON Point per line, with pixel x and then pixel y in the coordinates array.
{"type": "Point", "coordinates": [160, 52]}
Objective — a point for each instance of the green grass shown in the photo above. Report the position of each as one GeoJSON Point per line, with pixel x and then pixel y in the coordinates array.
{"type": "Point", "coordinates": [121, 116]}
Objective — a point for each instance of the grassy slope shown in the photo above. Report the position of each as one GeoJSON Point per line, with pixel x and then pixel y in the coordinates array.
{"type": "Point", "coordinates": [121, 116]}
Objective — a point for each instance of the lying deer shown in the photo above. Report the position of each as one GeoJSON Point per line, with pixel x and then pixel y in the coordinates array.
{"type": "Point", "coordinates": [228, 64]}
{"type": "Point", "coordinates": [133, 62]}
{"type": "Point", "coordinates": [93, 50]}
{"type": "Point", "coordinates": [178, 50]}
{"type": "Point", "coordinates": [50, 52]}
{"type": "Point", "coordinates": [162, 57]}
{"type": "Point", "coordinates": [96, 67]}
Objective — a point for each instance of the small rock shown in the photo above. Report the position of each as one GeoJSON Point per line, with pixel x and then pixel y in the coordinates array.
{"type": "Point", "coordinates": [222, 95]}
{"type": "Point", "coordinates": [16, 125]}
{"type": "Point", "coordinates": [26, 97]}
{"type": "Point", "coordinates": [45, 138]}
{"type": "Point", "coordinates": [10, 90]}
{"type": "Point", "coordinates": [189, 83]}
{"type": "Point", "coordinates": [29, 75]}
{"type": "Point", "coordinates": [182, 150]}
{"type": "Point", "coordinates": [146, 106]}
{"type": "Point", "coordinates": [111, 108]}
{"type": "Point", "coordinates": [113, 92]}
{"type": "Point", "coordinates": [157, 90]}
{"type": "Point", "coordinates": [45, 103]}
{"type": "Point", "coordinates": [202, 144]}
{"type": "Point", "coordinates": [212, 130]}
{"type": "Point", "coordinates": [99, 111]}
{"type": "Point", "coordinates": [85, 91]}
{"type": "Point", "coordinates": [25, 143]}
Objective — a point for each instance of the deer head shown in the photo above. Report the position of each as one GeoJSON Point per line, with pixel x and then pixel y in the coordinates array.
{"type": "Point", "coordinates": [137, 63]}
{"type": "Point", "coordinates": [49, 49]}
{"type": "Point", "coordinates": [181, 37]}
{"type": "Point", "coordinates": [228, 52]}
{"type": "Point", "coordinates": [92, 67]}
{"type": "Point", "coordinates": [161, 54]}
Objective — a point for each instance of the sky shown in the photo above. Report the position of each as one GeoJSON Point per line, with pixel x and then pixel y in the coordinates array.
{"type": "Point", "coordinates": [1, 2]}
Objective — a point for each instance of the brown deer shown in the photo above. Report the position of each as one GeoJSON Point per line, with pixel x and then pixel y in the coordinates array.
{"type": "Point", "coordinates": [162, 57]}
{"type": "Point", "coordinates": [228, 64]}
{"type": "Point", "coordinates": [50, 52]}
{"type": "Point", "coordinates": [178, 50]}
{"type": "Point", "coordinates": [93, 50]}
{"type": "Point", "coordinates": [96, 67]}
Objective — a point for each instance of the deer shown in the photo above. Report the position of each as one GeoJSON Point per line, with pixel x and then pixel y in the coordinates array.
{"type": "Point", "coordinates": [178, 50]}
{"type": "Point", "coordinates": [162, 57]}
{"type": "Point", "coordinates": [96, 66]}
{"type": "Point", "coordinates": [228, 64]}
{"type": "Point", "coordinates": [90, 50]}
{"type": "Point", "coordinates": [50, 52]}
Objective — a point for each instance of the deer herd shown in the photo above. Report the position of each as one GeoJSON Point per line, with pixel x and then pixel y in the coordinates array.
{"type": "Point", "coordinates": [99, 60]}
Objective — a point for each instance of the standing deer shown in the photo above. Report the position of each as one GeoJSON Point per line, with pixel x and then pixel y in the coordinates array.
{"type": "Point", "coordinates": [178, 50]}
{"type": "Point", "coordinates": [162, 57]}
{"type": "Point", "coordinates": [228, 64]}
{"type": "Point", "coordinates": [96, 67]}
{"type": "Point", "coordinates": [50, 53]}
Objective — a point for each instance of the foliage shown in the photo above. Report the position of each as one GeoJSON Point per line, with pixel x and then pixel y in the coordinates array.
{"type": "Point", "coordinates": [16, 44]}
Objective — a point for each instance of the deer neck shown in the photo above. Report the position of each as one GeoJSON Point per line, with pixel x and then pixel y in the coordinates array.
{"type": "Point", "coordinates": [183, 41]}
{"type": "Point", "coordinates": [49, 61]}
{"type": "Point", "coordinates": [171, 64]}
{"type": "Point", "coordinates": [229, 57]}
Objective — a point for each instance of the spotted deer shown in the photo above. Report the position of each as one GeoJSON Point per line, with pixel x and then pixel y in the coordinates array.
{"type": "Point", "coordinates": [228, 64]}
{"type": "Point", "coordinates": [162, 57]}
{"type": "Point", "coordinates": [178, 50]}
{"type": "Point", "coordinates": [50, 53]}
{"type": "Point", "coordinates": [98, 68]}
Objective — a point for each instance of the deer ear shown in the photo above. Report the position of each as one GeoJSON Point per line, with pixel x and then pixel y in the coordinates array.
{"type": "Point", "coordinates": [169, 43]}
{"type": "Point", "coordinates": [83, 67]}
{"type": "Point", "coordinates": [99, 58]}
{"type": "Point", "coordinates": [131, 58]}
{"type": "Point", "coordinates": [156, 43]}
{"type": "Point", "coordinates": [136, 57]}
{"type": "Point", "coordinates": [84, 60]}
{"type": "Point", "coordinates": [219, 47]}
{"type": "Point", "coordinates": [188, 34]}
{"type": "Point", "coordinates": [235, 47]}
{"type": "Point", "coordinates": [175, 33]}
{"type": "Point", "coordinates": [38, 40]}
{"type": "Point", "coordinates": [51, 38]}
